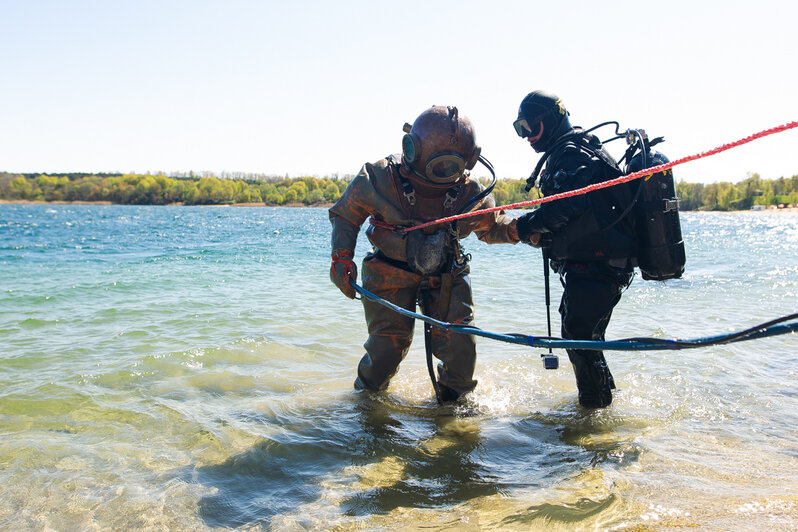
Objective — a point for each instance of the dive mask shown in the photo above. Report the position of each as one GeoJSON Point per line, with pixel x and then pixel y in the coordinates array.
{"type": "Point", "coordinates": [523, 129]}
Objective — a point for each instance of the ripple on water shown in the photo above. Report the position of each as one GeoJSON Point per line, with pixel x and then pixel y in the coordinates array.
{"type": "Point", "coordinates": [175, 374]}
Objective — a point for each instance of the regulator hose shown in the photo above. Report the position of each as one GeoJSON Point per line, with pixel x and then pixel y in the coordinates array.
{"type": "Point", "coordinates": [473, 202]}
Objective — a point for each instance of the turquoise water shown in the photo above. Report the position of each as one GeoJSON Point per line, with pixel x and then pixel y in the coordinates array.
{"type": "Point", "coordinates": [191, 368]}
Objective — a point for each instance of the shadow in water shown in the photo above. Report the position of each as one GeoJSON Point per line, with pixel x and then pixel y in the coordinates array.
{"type": "Point", "coordinates": [280, 473]}
{"type": "Point", "coordinates": [563, 513]}
{"type": "Point", "coordinates": [438, 457]}
{"type": "Point", "coordinates": [270, 478]}
{"type": "Point", "coordinates": [369, 454]}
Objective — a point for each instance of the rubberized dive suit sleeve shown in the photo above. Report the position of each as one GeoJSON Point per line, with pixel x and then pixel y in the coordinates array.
{"type": "Point", "coordinates": [344, 234]}
{"type": "Point", "coordinates": [361, 199]}
{"type": "Point", "coordinates": [342, 268]}
{"type": "Point", "coordinates": [492, 227]}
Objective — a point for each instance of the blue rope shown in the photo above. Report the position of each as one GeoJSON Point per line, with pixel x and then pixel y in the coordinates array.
{"type": "Point", "coordinates": [628, 344]}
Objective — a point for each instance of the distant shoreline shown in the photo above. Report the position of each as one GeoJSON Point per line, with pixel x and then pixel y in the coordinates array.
{"type": "Point", "coordinates": [42, 202]}
{"type": "Point", "coordinates": [787, 210]}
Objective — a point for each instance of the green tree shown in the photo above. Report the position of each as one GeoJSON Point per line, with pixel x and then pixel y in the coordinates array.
{"type": "Point", "coordinates": [331, 192]}
{"type": "Point", "coordinates": [212, 191]}
{"type": "Point", "coordinates": [689, 195]}
{"type": "Point", "coordinates": [727, 194]}
{"type": "Point", "coordinates": [89, 190]}
{"type": "Point", "coordinates": [274, 198]}
{"type": "Point", "coordinates": [314, 196]}
{"type": "Point", "coordinates": [21, 188]}
{"type": "Point", "coordinates": [300, 190]}
{"type": "Point", "coordinates": [188, 192]}
{"type": "Point", "coordinates": [290, 196]}
{"type": "Point", "coordinates": [709, 201]}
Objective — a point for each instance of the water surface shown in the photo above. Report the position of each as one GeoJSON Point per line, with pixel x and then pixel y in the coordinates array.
{"type": "Point", "coordinates": [191, 368]}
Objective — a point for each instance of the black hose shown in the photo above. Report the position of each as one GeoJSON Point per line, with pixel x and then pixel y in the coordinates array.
{"type": "Point", "coordinates": [423, 300]}
{"type": "Point", "coordinates": [724, 340]}
{"type": "Point", "coordinates": [644, 154]}
{"type": "Point", "coordinates": [473, 202]}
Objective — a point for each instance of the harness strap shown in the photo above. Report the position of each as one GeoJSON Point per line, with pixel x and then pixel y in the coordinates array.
{"type": "Point", "coordinates": [423, 301]}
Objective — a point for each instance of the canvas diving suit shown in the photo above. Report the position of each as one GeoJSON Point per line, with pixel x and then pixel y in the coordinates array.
{"type": "Point", "coordinates": [426, 266]}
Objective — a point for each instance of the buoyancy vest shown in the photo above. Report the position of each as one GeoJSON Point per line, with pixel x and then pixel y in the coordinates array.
{"type": "Point", "coordinates": [602, 231]}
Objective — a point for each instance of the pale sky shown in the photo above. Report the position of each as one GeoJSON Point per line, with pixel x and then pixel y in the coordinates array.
{"type": "Point", "coordinates": [317, 88]}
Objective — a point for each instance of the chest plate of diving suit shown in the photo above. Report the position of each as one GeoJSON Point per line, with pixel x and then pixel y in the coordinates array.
{"type": "Point", "coordinates": [430, 251]}
{"type": "Point", "coordinates": [427, 254]}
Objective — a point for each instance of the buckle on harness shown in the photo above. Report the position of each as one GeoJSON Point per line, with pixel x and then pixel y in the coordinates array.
{"type": "Point", "coordinates": [450, 199]}
{"type": "Point", "coordinates": [408, 191]}
{"type": "Point", "coordinates": [671, 205]}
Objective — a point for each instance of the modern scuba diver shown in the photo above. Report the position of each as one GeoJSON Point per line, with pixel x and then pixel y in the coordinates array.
{"type": "Point", "coordinates": [590, 242]}
{"type": "Point", "coordinates": [429, 181]}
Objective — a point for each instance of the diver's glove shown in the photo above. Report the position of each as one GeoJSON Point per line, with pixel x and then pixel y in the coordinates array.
{"type": "Point", "coordinates": [539, 240]}
{"type": "Point", "coordinates": [527, 235]}
{"type": "Point", "coordinates": [342, 269]}
{"type": "Point", "coordinates": [523, 226]}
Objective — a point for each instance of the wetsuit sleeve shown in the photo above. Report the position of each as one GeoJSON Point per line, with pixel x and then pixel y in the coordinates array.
{"type": "Point", "coordinates": [491, 227]}
{"type": "Point", "coordinates": [572, 171]}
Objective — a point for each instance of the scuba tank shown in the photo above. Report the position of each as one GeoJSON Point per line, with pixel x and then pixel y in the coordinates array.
{"type": "Point", "coordinates": [655, 207]}
{"type": "Point", "coordinates": [660, 254]}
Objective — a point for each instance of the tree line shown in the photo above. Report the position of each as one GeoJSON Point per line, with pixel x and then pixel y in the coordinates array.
{"type": "Point", "coordinates": [190, 189]}
{"type": "Point", "coordinates": [146, 189]}
{"type": "Point", "coordinates": [751, 191]}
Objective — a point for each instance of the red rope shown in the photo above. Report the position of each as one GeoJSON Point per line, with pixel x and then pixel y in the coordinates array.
{"type": "Point", "coordinates": [591, 188]}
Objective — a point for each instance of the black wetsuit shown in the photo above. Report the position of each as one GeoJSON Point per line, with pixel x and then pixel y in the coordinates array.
{"type": "Point", "coordinates": [592, 248]}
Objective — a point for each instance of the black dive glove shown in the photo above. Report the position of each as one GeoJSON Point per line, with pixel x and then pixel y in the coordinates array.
{"type": "Point", "coordinates": [523, 226]}
{"type": "Point", "coordinates": [528, 236]}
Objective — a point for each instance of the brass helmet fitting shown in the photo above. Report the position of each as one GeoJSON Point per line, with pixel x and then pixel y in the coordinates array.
{"type": "Point", "coordinates": [440, 146]}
